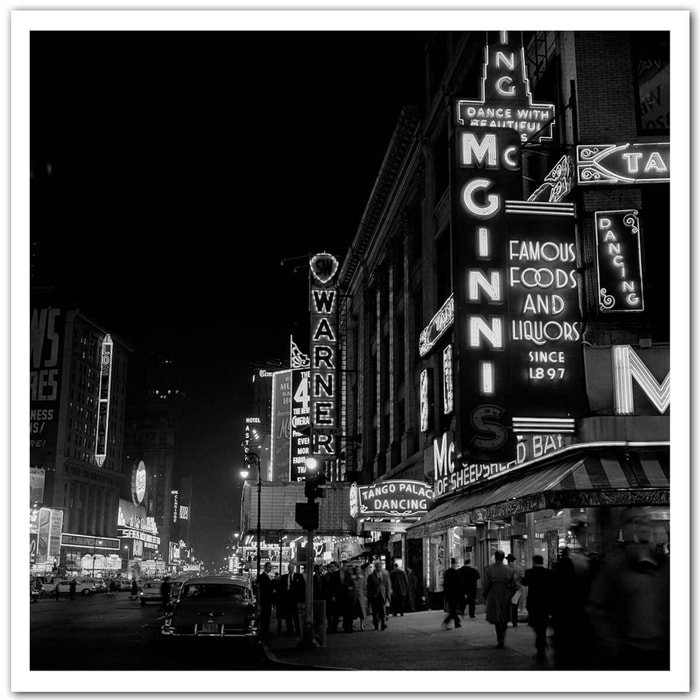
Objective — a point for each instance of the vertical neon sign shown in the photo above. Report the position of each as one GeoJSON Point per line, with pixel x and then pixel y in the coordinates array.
{"type": "Point", "coordinates": [103, 401]}
{"type": "Point", "coordinates": [324, 354]}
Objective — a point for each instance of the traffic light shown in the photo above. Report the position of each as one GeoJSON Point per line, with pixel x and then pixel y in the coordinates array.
{"type": "Point", "coordinates": [312, 486]}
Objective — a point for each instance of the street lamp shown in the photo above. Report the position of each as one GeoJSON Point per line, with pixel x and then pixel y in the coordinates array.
{"type": "Point", "coordinates": [253, 458]}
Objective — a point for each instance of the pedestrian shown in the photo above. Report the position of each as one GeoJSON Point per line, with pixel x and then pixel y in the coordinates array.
{"type": "Point", "coordinates": [453, 592]}
{"type": "Point", "coordinates": [134, 590]}
{"type": "Point", "coordinates": [571, 582]}
{"type": "Point", "coordinates": [56, 590]}
{"type": "Point", "coordinates": [266, 594]}
{"type": "Point", "coordinates": [517, 599]}
{"type": "Point", "coordinates": [360, 596]}
{"type": "Point", "coordinates": [287, 600]}
{"type": "Point", "coordinates": [334, 600]}
{"type": "Point", "coordinates": [629, 602]}
{"type": "Point", "coordinates": [469, 577]}
{"type": "Point", "coordinates": [379, 594]}
{"type": "Point", "coordinates": [112, 587]}
{"type": "Point", "coordinates": [499, 586]}
{"type": "Point", "coordinates": [538, 580]}
{"type": "Point", "coordinates": [165, 589]}
{"type": "Point", "coordinates": [412, 598]}
{"type": "Point", "coordinates": [72, 587]}
{"type": "Point", "coordinates": [399, 587]}
{"type": "Point", "coordinates": [349, 597]}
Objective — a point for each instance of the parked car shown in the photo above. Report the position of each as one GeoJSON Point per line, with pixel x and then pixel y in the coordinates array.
{"type": "Point", "coordinates": [100, 584]}
{"type": "Point", "coordinates": [81, 587]}
{"type": "Point", "coordinates": [213, 606]}
{"type": "Point", "coordinates": [150, 591]}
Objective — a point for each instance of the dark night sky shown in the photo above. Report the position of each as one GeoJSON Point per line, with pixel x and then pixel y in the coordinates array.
{"type": "Point", "coordinates": [184, 168]}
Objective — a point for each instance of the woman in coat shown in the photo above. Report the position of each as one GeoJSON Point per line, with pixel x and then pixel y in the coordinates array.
{"type": "Point", "coordinates": [499, 586]}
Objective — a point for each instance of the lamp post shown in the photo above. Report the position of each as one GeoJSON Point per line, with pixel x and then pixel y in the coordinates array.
{"type": "Point", "coordinates": [252, 457]}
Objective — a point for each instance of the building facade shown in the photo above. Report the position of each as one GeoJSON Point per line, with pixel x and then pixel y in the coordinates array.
{"type": "Point", "coordinates": [506, 300]}
{"type": "Point", "coordinates": [78, 403]}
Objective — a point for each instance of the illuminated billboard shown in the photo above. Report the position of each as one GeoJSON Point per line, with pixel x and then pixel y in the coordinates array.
{"type": "Point", "coordinates": [46, 336]}
{"type": "Point", "coordinates": [281, 424]}
{"type": "Point", "coordinates": [300, 435]}
{"type": "Point", "coordinates": [103, 399]}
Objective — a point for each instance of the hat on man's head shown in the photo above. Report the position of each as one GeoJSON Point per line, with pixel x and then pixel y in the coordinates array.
{"type": "Point", "coordinates": [511, 557]}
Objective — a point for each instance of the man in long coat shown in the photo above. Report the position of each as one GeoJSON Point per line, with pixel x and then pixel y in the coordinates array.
{"type": "Point", "coordinates": [499, 586]}
{"type": "Point", "coordinates": [399, 587]}
{"type": "Point", "coordinates": [539, 601]}
{"type": "Point", "coordinates": [454, 593]}
{"type": "Point", "coordinates": [469, 577]}
{"type": "Point", "coordinates": [379, 593]}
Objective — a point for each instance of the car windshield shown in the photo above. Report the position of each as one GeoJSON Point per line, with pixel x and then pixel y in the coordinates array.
{"type": "Point", "coordinates": [215, 590]}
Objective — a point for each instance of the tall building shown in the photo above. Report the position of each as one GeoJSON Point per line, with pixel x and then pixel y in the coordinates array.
{"type": "Point", "coordinates": [152, 429]}
{"type": "Point", "coordinates": [505, 324]}
{"type": "Point", "coordinates": [78, 402]}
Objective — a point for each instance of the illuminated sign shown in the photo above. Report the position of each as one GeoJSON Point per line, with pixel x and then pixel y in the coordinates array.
{"type": "Point", "coordinates": [628, 369]}
{"type": "Point", "coordinates": [403, 499]}
{"type": "Point", "coordinates": [536, 446]}
{"type": "Point", "coordinates": [150, 541]}
{"type": "Point", "coordinates": [300, 435]}
{"type": "Point", "coordinates": [628, 164]}
{"type": "Point", "coordinates": [557, 183]}
{"type": "Point", "coordinates": [354, 500]}
{"type": "Point", "coordinates": [451, 474]}
{"type": "Point", "coordinates": [138, 483]}
{"type": "Point", "coordinates": [425, 402]}
{"type": "Point", "coordinates": [506, 100]}
{"type": "Point", "coordinates": [89, 542]}
{"type": "Point", "coordinates": [46, 334]}
{"type": "Point", "coordinates": [619, 260]}
{"type": "Point", "coordinates": [544, 344]}
{"type": "Point", "coordinates": [281, 425]}
{"type": "Point", "coordinates": [323, 376]}
{"type": "Point", "coordinates": [485, 177]}
{"type": "Point", "coordinates": [438, 326]}
{"type": "Point", "coordinates": [103, 401]}
{"type": "Point", "coordinates": [448, 398]}
{"type": "Point", "coordinates": [184, 513]}
{"type": "Point", "coordinates": [297, 359]}
{"type": "Point", "coordinates": [176, 499]}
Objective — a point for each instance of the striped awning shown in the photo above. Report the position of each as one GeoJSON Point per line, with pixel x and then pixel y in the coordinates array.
{"type": "Point", "coordinates": [592, 478]}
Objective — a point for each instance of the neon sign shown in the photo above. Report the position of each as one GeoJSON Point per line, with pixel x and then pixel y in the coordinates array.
{"type": "Point", "coordinates": [506, 100]}
{"type": "Point", "coordinates": [425, 390]}
{"type": "Point", "coordinates": [138, 483]}
{"type": "Point", "coordinates": [628, 367]}
{"type": "Point", "coordinates": [324, 354]}
{"type": "Point", "coordinates": [438, 326]}
{"type": "Point", "coordinates": [448, 402]}
{"type": "Point", "coordinates": [300, 438]}
{"type": "Point", "coordinates": [619, 260]}
{"type": "Point", "coordinates": [485, 177]}
{"type": "Point", "coordinates": [103, 401]}
{"type": "Point", "coordinates": [545, 324]}
{"type": "Point", "coordinates": [399, 498]}
{"type": "Point", "coordinates": [628, 164]}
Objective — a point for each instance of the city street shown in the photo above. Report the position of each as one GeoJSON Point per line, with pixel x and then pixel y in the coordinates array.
{"type": "Point", "coordinates": [100, 633]}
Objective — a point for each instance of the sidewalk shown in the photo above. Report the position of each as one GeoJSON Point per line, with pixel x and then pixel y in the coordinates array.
{"type": "Point", "coordinates": [415, 642]}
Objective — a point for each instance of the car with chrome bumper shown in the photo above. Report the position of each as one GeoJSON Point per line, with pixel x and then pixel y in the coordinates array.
{"type": "Point", "coordinates": [213, 606]}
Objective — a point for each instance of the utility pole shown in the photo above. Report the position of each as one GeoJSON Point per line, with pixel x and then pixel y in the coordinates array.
{"type": "Point", "coordinates": [307, 517]}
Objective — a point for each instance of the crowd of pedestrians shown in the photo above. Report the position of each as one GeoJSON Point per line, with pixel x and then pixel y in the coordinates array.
{"type": "Point", "coordinates": [355, 595]}
{"type": "Point", "coordinates": [610, 613]}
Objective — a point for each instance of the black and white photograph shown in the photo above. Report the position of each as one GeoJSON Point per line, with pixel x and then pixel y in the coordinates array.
{"type": "Point", "coordinates": [349, 334]}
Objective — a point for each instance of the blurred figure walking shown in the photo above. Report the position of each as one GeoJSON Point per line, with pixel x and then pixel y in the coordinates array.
{"type": "Point", "coordinates": [499, 586]}
{"type": "Point", "coordinates": [454, 593]}
{"type": "Point", "coordinates": [629, 602]}
{"type": "Point", "coordinates": [469, 577]}
{"type": "Point", "coordinates": [399, 588]}
{"type": "Point", "coordinates": [538, 580]}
